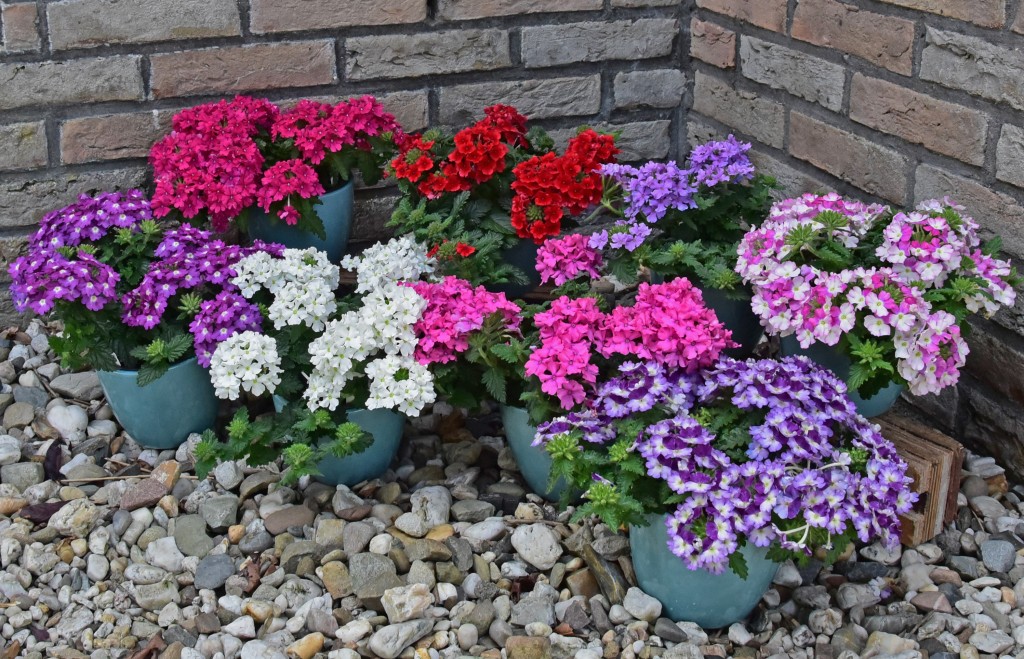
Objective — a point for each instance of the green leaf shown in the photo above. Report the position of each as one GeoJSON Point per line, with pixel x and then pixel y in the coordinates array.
{"type": "Point", "coordinates": [738, 564]}
{"type": "Point", "coordinates": [494, 382]}
{"type": "Point", "coordinates": [150, 373]}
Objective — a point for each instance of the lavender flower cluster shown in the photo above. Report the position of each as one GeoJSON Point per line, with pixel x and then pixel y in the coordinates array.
{"type": "Point", "coordinates": [812, 467]}
{"type": "Point", "coordinates": [48, 274]}
{"type": "Point", "coordinates": [653, 189]}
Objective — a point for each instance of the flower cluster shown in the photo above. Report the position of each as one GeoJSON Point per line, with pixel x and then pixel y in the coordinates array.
{"type": "Point", "coordinates": [560, 260]}
{"type": "Point", "coordinates": [221, 318]}
{"type": "Point", "coordinates": [247, 361]}
{"type": "Point", "coordinates": [399, 259]}
{"type": "Point", "coordinates": [810, 468]}
{"type": "Point", "coordinates": [881, 289]}
{"type": "Point", "coordinates": [455, 309]}
{"type": "Point", "coordinates": [667, 324]}
{"type": "Point", "coordinates": [548, 186]}
{"type": "Point", "coordinates": [381, 330]}
{"type": "Point", "coordinates": [223, 158]}
{"type": "Point", "coordinates": [302, 283]}
{"type": "Point", "coordinates": [91, 218]}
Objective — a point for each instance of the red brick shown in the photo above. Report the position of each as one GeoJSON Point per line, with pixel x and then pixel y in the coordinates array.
{"type": "Point", "coordinates": [769, 14]}
{"type": "Point", "coordinates": [870, 167]}
{"type": "Point", "coordinates": [988, 13]}
{"type": "Point", "coordinates": [293, 15]}
{"type": "Point", "coordinates": [945, 128]}
{"type": "Point", "coordinates": [22, 146]}
{"type": "Point", "coordinates": [243, 68]}
{"type": "Point", "coordinates": [462, 10]}
{"type": "Point", "coordinates": [109, 137]}
{"type": "Point", "coordinates": [21, 27]}
{"type": "Point", "coordinates": [712, 43]}
{"type": "Point", "coordinates": [887, 41]}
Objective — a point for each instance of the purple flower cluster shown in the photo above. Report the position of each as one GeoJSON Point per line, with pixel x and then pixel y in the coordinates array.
{"type": "Point", "coordinates": [227, 314]}
{"type": "Point", "coordinates": [655, 188]}
{"type": "Point", "coordinates": [49, 273]}
{"type": "Point", "coordinates": [812, 467]}
{"type": "Point", "coordinates": [91, 218]}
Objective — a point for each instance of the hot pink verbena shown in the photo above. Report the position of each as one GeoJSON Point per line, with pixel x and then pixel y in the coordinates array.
{"type": "Point", "coordinates": [564, 259]}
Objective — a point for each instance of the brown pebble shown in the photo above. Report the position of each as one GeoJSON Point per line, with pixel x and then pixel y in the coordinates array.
{"type": "Point", "coordinates": [169, 505]}
{"type": "Point", "coordinates": [236, 533]}
{"type": "Point", "coordinates": [307, 646]}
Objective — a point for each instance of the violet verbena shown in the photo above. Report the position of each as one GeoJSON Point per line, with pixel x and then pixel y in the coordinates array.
{"type": "Point", "coordinates": [121, 286]}
{"type": "Point", "coordinates": [890, 290]}
{"type": "Point", "coordinates": [685, 221]}
{"type": "Point", "coordinates": [766, 452]}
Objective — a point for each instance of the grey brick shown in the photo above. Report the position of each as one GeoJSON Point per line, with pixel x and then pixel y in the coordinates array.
{"type": "Point", "coordinates": [117, 78]}
{"type": "Point", "coordinates": [798, 73]}
{"type": "Point", "coordinates": [997, 212]}
{"type": "Point", "coordinates": [24, 201]}
{"type": "Point", "coordinates": [760, 118]}
{"type": "Point", "coordinates": [537, 99]}
{"type": "Point", "coordinates": [552, 45]}
{"type": "Point", "coordinates": [639, 140]}
{"type": "Point", "coordinates": [426, 53]}
{"type": "Point", "coordinates": [461, 10]}
{"type": "Point", "coordinates": [89, 23]}
{"type": "Point", "coordinates": [1010, 155]}
{"type": "Point", "coordinates": [661, 88]}
{"type": "Point", "coordinates": [974, 65]}
{"type": "Point", "coordinates": [269, 16]}
{"type": "Point", "coordinates": [22, 146]}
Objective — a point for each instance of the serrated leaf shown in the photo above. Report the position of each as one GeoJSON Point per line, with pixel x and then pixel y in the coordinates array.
{"type": "Point", "coordinates": [494, 382]}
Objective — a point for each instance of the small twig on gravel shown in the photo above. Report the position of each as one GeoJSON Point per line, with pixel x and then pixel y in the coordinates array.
{"type": "Point", "coordinates": [118, 478]}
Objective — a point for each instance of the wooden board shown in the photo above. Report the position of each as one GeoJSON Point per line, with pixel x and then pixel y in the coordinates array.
{"type": "Point", "coordinates": [934, 462]}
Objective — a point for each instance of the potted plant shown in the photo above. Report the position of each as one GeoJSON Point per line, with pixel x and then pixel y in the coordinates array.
{"type": "Point", "coordinates": [576, 342]}
{"type": "Point", "coordinates": [687, 221]}
{"type": "Point", "coordinates": [878, 297]}
{"type": "Point", "coordinates": [732, 467]}
{"type": "Point", "coordinates": [283, 175]}
{"type": "Point", "coordinates": [141, 304]}
{"type": "Point", "coordinates": [483, 199]}
{"type": "Point", "coordinates": [341, 373]}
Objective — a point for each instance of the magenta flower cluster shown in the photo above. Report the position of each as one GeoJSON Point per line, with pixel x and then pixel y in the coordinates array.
{"type": "Point", "coordinates": [560, 260]}
{"type": "Point", "coordinates": [48, 274]}
{"type": "Point", "coordinates": [920, 251]}
{"type": "Point", "coordinates": [813, 468]}
{"type": "Point", "coordinates": [456, 309]}
{"type": "Point", "coordinates": [667, 324]}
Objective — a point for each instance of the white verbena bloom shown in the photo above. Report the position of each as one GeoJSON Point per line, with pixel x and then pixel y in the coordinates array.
{"type": "Point", "coordinates": [385, 263]}
{"type": "Point", "coordinates": [246, 361]}
{"type": "Point", "coordinates": [302, 283]}
{"type": "Point", "coordinates": [401, 383]}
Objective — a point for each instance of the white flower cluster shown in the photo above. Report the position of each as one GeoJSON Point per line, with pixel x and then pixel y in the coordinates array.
{"type": "Point", "coordinates": [246, 361]}
{"type": "Point", "coordinates": [376, 340]}
{"type": "Point", "coordinates": [302, 283]}
{"type": "Point", "coordinates": [385, 263]}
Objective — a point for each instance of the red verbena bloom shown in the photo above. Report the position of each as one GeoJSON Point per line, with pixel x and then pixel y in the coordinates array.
{"type": "Point", "coordinates": [479, 153]}
{"type": "Point", "coordinates": [464, 249]}
{"type": "Point", "coordinates": [414, 160]}
{"type": "Point", "coordinates": [509, 122]}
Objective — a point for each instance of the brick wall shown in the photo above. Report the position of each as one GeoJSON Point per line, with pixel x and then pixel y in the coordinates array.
{"type": "Point", "coordinates": [86, 86]}
{"type": "Point", "coordinates": [893, 101]}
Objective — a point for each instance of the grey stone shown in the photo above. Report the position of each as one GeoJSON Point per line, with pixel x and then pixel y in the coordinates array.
{"type": "Point", "coordinates": [426, 53]}
{"type": "Point", "coordinates": [533, 608]}
{"type": "Point", "coordinates": [19, 415]}
{"type": "Point", "coordinates": [1009, 168]}
{"type": "Point", "coordinates": [611, 546]}
{"type": "Point", "coordinates": [406, 602]}
{"type": "Point", "coordinates": [88, 80]}
{"type": "Point", "coordinates": [228, 475]}
{"type": "Point", "coordinates": [538, 545]}
{"type": "Point", "coordinates": [471, 510]}
{"type": "Point", "coordinates": [998, 555]}
{"type": "Point", "coordinates": [289, 517]}
{"type": "Point", "coordinates": [389, 641]}
{"type": "Point", "coordinates": [641, 605]}
{"type": "Point", "coordinates": [356, 537]}
{"type": "Point", "coordinates": [850, 595]}
{"type": "Point", "coordinates": [83, 386]}
{"type": "Point", "coordinates": [213, 571]}
{"type": "Point", "coordinates": [22, 475]}
{"type": "Point", "coordinates": [257, 483]}
{"type": "Point", "coordinates": [988, 507]}
{"type": "Point", "coordinates": [154, 597]}
{"type": "Point", "coordinates": [90, 23]}
{"type": "Point", "coordinates": [190, 535]}
{"type": "Point", "coordinates": [372, 575]}
{"type": "Point", "coordinates": [553, 45]}
{"type": "Point", "coordinates": [34, 396]}
{"type": "Point", "coordinates": [660, 88]}
{"type": "Point", "coordinates": [432, 504]}
{"type": "Point", "coordinates": [219, 512]}
{"type": "Point", "coordinates": [164, 554]}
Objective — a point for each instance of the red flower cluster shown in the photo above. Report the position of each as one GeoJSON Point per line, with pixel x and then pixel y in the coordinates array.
{"type": "Point", "coordinates": [478, 154]}
{"type": "Point", "coordinates": [548, 186]}
{"type": "Point", "coordinates": [212, 161]}
{"type": "Point", "coordinates": [462, 249]}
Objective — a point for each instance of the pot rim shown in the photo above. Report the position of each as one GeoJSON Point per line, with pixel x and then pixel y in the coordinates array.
{"type": "Point", "coordinates": [135, 372]}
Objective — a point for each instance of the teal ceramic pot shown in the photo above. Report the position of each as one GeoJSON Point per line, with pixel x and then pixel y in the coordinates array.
{"type": "Point", "coordinates": [334, 210]}
{"type": "Point", "coordinates": [836, 361]}
{"type": "Point", "coordinates": [386, 426]}
{"type": "Point", "coordinates": [712, 601]}
{"type": "Point", "coordinates": [534, 462]}
{"type": "Point", "coordinates": [164, 413]}
{"type": "Point", "coordinates": [522, 255]}
{"type": "Point", "coordinates": [736, 315]}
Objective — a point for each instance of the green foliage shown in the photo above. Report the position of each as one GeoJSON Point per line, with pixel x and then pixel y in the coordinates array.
{"type": "Point", "coordinates": [160, 354]}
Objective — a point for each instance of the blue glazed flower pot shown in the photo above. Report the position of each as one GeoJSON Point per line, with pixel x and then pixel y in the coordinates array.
{"type": "Point", "coordinates": [839, 363]}
{"type": "Point", "coordinates": [164, 413]}
{"type": "Point", "coordinates": [736, 315]}
{"type": "Point", "coordinates": [522, 255]}
{"type": "Point", "coordinates": [534, 462]}
{"type": "Point", "coordinates": [712, 601]}
{"type": "Point", "coordinates": [334, 210]}
{"type": "Point", "coordinates": [386, 426]}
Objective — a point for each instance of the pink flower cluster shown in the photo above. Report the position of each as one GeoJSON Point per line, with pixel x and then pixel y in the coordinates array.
{"type": "Point", "coordinates": [455, 309]}
{"type": "Point", "coordinates": [564, 259]}
{"type": "Point", "coordinates": [668, 324]}
{"type": "Point", "coordinates": [919, 252]}
{"type": "Point", "coordinates": [212, 160]}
